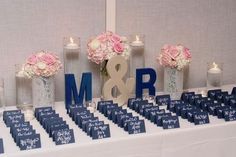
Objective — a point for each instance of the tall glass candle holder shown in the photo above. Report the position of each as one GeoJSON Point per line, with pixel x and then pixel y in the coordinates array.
{"type": "Point", "coordinates": [2, 97]}
{"type": "Point", "coordinates": [71, 50]}
{"type": "Point", "coordinates": [23, 89]}
{"type": "Point", "coordinates": [214, 74]}
{"type": "Point", "coordinates": [137, 58]}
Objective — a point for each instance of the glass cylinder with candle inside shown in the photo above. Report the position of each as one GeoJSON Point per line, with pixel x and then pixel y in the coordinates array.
{"type": "Point", "coordinates": [137, 58]}
{"type": "Point", "coordinates": [71, 50]}
{"type": "Point", "coordinates": [214, 74]}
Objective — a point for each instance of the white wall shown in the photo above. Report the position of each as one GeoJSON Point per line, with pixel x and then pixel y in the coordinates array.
{"type": "Point", "coordinates": [207, 27]}
{"type": "Point", "coordinates": [27, 26]}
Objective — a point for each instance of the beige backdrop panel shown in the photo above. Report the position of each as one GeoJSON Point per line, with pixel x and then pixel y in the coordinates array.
{"type": "Point", "coordinates": [207, 27]}
{"type": "Point", "coordinates": [30, 25]}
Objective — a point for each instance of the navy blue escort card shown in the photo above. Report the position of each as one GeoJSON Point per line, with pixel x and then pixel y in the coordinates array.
{"type": "Point", "coordinates": [192, 98]}
{"type": "Point", "coordinates": [233, 91]}
{"type": "Point", "coordinates": [72, 111]}
{"type": "Point", "coordinates": [143, 106]}
{"type": "Point", "coordinates": [81, 118]}
{"type": "Point", "coordinates": [132, 100]}
{"type": "Point", "coordinates": [73, 106]}
{"type": "Point", "coordinates": [159, 117]}
{"type": "Point", "coordinates": [120, 118]}
{"type": "Point", "coordinates": [101, 104]}
{"type": "Point", "coordinates": [30, 142]}
{"type": "Point", "coordinates": [201, 118]}
{"type": "Point", "coordinates": [229, 115]}
{"type": "Point", "coordinates": [219, 111]}
{"type": "Point", "coordinates": [115, 113]}
{"type": "Point", "coordinates": [170, 122]}
{"type": "Point", "coordinates": [94, 119]}
{"type": "Point", "coordinates": [127, 120]}
{"type": "Point", "coordinates": [179, 107]}
{"type": "Point", "coordinates": [89, 125]}
{"type": "Point", "coordinates": [198, 101]}
{"type": "Point", "coordinates": [19, 125]}
{"type": "Point", "coordinates": [111, 110]}
{"type": "Point", "coordinates": [146, 111]}
{"type": "Point", "coordinates": [185, 110]}
{"type": "Point", "coordinates": [64, 136]}
{"type": "Point", "coordinates": [232, 102]}
{"type": "Point", "coordinates": [41, 109]}
{"type": "Point", "coordinates": [77, 113]}
{"type": "Point", "coordinates": [185, 96]}
{"type": "Point", "coordinates": [226, 98]}
{"type": "Point", "coordinates": [153, 114]}
{"type": "Point", "coordinates": [219, 96]}
{"type": "Point", "coordinates": [13, 119]}
{"type": "Point", "coordinates": [205, 104]}
{"type": "Point", "coordinates": [173, 103]}
{"type": "Point", "coordinates": [163, 99]}
{"type": "Point", "coordinates": [101, 131]}
{"type": "Point", "coordinates": [191, 113]}
{"type": "Point", "coordinates": [10, 113]}
{"type": "Point", "coordinates": [212, 93]}
{"type": "Point", "coordinates": [212, 108]}
{"type": "Point", "coordinates": [136, 127]}
{"type": "Point", "coordinates": [1, 146]}
{"type": "Point", "coordinates": [136, 104]}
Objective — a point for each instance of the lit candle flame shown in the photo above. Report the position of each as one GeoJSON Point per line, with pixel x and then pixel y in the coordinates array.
{"type": "Point", "coordinates": [137, 38]}
{"type": "Point", "coordinates": [71, 40]}
{"type": "Point", "coordinates": [215, 65]}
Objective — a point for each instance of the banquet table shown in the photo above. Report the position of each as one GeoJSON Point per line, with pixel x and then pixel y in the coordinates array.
{"type": "Point", "coordinates": [218, 139]}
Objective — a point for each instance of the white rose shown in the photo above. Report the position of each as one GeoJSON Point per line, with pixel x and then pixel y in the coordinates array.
{"type": "Point", "coordinates": [41, 65]}
{"type": "Point", "coordinates": [95, 44]}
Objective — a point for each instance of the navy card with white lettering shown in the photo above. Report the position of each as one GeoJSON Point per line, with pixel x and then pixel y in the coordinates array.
{"type": "Point", "coordinates": [226, 98]}
{"type": "Point", "coordinates": [10, 113]}
{"type": "Point", "coordinates": [108, 107]}
{"type": "Point", "coordinates": [212, 93]}
{"type": "Point", "coordinates": [29, 142]}
{"type": "Point", "coordinates": [132, 100]}
{"type": "Point", "coordinates": [1, 146]}
{"type": "Point", "coordinates": [229, 115]}
{"type": "Point", "coordinates": [127, 120]}
{"type": "Point", "coordinates": [159, 117]}
{"type": "Point", "coordinates": [18, 125]}
{"type": "Point", "coordinates": [192, 98]}
{"type": "Point", "coordinates": [99, 132]}
{"type": "Point", "coordinates": [185, 96]}
{"type": "Point", "coordinates": [219, 111]}
{"type": "Point", "coordinates": [13, 119]}
{"type": "Point", "coordinates": [81, 118]}
{"type": "Point", "coordinates": [232, 102]}
{"type": "Point", "coordinates": [84, 122]}
{"type": "Point", "coordinates": [178, 108]}
{"type": "Point", "coordinates": [143, 106]}
{"type": "Point", "coordinates": [191, 113]}
{"type": "Point", "coordinates": [146, 111]}
{"type": "Point", "coordinates": [173, 103]}
{"type": "Point", "coordinates": [41, 109]}
{"type": "Point", "coordinates": [184, 111]}
{"type": "Point", "coordinates": [212, 108]}
{"type": "Point", "coordinates": [73, 109]}
{"type": "Point", "coordinates": [23, 134]}
{"type": "Point", "coordinates": [115, 113]}
{"type": "Point", "coordinates": [154, 113]}
{"type": "Point", "coordinates": [201, 118]}
{"type": "Point", "coordinates": [120, 117]}
{"type": "Point", "coordinates": [170, 122]}
{"type": "Point", "coordinates": [101, 104]}
{"type": "Point", "coordinates": [136, 104]}
{"type": "Point", "coordinates": [163, 99]}
{"type": "Point", "coordinates": [136, 127]}
{"type": "Point", "coordinates": [110, 110]}
{"type": "Point", "coordinates": [92, 124]}
{"type": "Point", "coordinates": [64, 136]}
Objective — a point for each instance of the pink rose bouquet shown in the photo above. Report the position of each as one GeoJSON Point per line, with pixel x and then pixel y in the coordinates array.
{"type": "Point", "coordinates": [176, 56]}
{"type": "Point", "coordinates": [42, 63]}
{"type": "Point", "coordinates": [105, 46]}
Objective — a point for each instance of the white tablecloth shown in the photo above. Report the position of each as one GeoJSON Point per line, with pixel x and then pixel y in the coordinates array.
{"type": "Point", "coordinates": [216, 139]}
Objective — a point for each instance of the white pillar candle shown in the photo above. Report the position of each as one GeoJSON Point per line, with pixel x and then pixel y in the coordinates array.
{"type": "Point", "coordinates": [137, 42]}
{"type": "Point", "coordinates": [71, 45]}
{"type": "Point", "coordinates": [215, 69]}
{"type": "Point", "coordinates": [214, 76]}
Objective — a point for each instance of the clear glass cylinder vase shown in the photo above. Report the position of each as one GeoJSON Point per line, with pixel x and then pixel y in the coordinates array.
{"type": "Point", "coordinates": [173, 80]}
{"type": "Point", "coordinates": [214, 74]}
{"type": "Point", "coordinates": [23, 89]}
{"type": "Point", "coordinates": [137, 57]}
{"type": "Point", "coordinates": [71, 54]}
{"type": "Point", "coordinates": [43, 91]}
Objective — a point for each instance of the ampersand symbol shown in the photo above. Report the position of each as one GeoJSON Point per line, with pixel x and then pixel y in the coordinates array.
{"type": "Point", "coordinates": [116, 79]}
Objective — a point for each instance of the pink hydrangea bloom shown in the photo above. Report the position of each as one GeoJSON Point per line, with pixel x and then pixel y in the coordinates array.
{"type": "Point", "coordinates": [106, 45]}
{"type": "Point", "coordinates": [174, 56]}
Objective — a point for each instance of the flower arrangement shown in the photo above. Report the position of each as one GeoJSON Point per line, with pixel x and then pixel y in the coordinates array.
{"type": "Point", "coordinates": [42, 63]}
{"type": "Point", "coordinates": [176, 56]}
{"type": "Point", "coordinates": [105, 46]}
